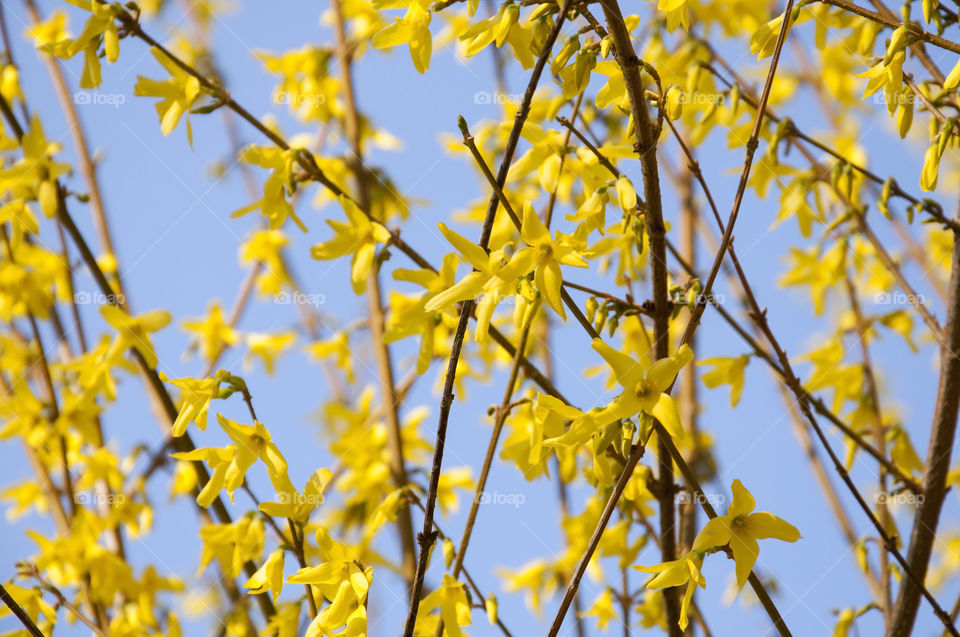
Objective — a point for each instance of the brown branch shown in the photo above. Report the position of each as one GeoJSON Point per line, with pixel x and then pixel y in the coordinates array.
{"type": "Point", "coordinates": [936, 470]}
{"type": "Point", "coordinates": [913, 29]}
{"type": "Point", "coordinates": [81, 148]}
{"type": "Point", "coordinates": [19, 613]}
{"type": "Point", "coordinates": [926, 205]}
{"type": "Point", "coordinates": [662, 436]}
{"type": "Point", "coordinates": [388, 390]}
{"type": "Point", "coordinates": [500, 418]}
{"type": "Point", "coordinates": [879, 436]}
{"type": "Point", "coordinates": [646, 134]}
{"type": "Point", "coordinates": [427, 536]}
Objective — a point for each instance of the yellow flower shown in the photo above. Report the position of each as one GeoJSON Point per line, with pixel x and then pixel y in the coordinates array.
{"type": "Point", "coordinates": [297, 506]}
{"type": "Point", "coordinates": [177, 94]}
{"type": "Point", "coordinates": [343, 582]}
{"type": "Point", "coordinates": [133, 332]}
{"type": "Point", "coordinates": [644, 391]}
{"type": "Point", "coordinates": [267, 347]}
{"type": "Point", "coordinates": [685, 570]}
{"type": "Point", "coordinates": [213, 333]}
{"type": "Point", "coordinates": [266, 247]}
{"type": "Point", "coordinates": [268, 577]}
{"type": "Point", "coordinates": [493, 279]}
{"type": "Point", "coordinates": [727, 371]}
{"type": "Point", "coordinates": [740, 528]}
{"type": "Point", "coordinates": [33, 177]}
{"type": "Point", "coordinates": [454, 606]}
{"type": "Point", "coordinates": [410, 316]}
{"type": "Point", "coordinates": [232, 544]}
{"type": "Point", "coordinates": [194, 402]}
{"type": "Point", "coordinates": [359, 237]}
{"type": "Point", "coordinates": [274, 205]}
{"type": "Point", "coordinates": [100, 24]}
{"type": "Point", "coordinates": [602, 609]}
{"type": "Point", "coordinates": [547, 254]}
{"type": "Point", "coordinates": [230, 464]}
{"type": "Point", "coordinates": [413, 30]}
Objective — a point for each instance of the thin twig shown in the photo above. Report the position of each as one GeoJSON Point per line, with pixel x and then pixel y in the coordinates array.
{"type": "Point", "coordinates": [427, 536]}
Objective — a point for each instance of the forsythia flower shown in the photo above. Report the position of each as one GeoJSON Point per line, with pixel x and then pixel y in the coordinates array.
{"type": "Point", "coordinates": [177, 94]}
{"type": "Point", "coordinates": [265, 247]}
{"type": "Point", "coordinates": [411, 316]}
{"type": "Point", "coordinates": [359, 237]}
{"type": "Point", "coordinates": [134, 332]}
{"type": "Point", "coordinates": [213, 333]}
{"type": "Point", "coordinates": [336, 347]}
{"type": "Point", "coordinates": [493, 279]}
{"type": "Point", "coordinates": [726, 371]}
{"type": "Point", "coordinates": [740, 528]}
{"type": "Point", "coordinates": [546, 255]}
{"type": "Point", "coordinates": [274, 205]}
{"type": "Point", "coordinates": [644, 391]}
{"type": "Point", "coordinates": [454, 606]}
{"type": "Point", "coordinates": [685, 570]}
{"type": "Point", "coordinates": [231, 463]}
{"type": "Point", "coordinates": [194, 402]}
{"type": "Point", "coordinates": [32, 177]}
{"type": "Point", "coordinates": [298, 506]}
{"type": "Point", "coordinates": [268, 577]}
{"type": "Point", "coordinates": [267, 347]}
{"type": "Point", "coordinates": [413, 30]}
{"type": "Point", "coordinates": [101, 23]}
{"type": "Point", "coordinates": [232, 544]}
{"type": "Point", "coordinates": [678, 13]}
{"type": "Point", "coordinates": [343, 582]}
{"type": "Point", "coordinates": [602, 609]}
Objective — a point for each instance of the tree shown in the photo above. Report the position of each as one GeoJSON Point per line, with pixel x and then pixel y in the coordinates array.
{"type": "Point", "coordinates": [604, 245]}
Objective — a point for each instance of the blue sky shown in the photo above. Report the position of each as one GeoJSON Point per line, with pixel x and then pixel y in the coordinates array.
{"type": "Point", "coordinates": [177, 247]}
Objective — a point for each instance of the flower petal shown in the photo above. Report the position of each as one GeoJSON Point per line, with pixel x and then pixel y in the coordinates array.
{"type": "Point", "coordinates": [716, 532]}
{"type": "Point", "coordinates": [628, 370]}
{"type": "Point", "coordinates": [533, 230]}
{"type": "Point", "coordinates": [665, 410]}
{"type": "Point", "coordinates": [743, 502]}
{"type": "Point", "coordinates": [745, 551]}
{"type": "Point", "coordinates": [763, 525]}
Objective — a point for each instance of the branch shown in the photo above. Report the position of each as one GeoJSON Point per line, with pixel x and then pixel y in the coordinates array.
{"type": "Point", "coordinates": [19, 613]}
{"type": "Point", "coordinates": [182, 443]}
{"type": "Point", "coordinates": [662, 436]}
{"type": "Point", "coordinates": [647, 133]}
{"type": "Point", "coordinates": [912, 28]}
{"type": "Point", "coordinates": [927, 205]}
{"type": "Point", "coordinates": [935, 473]}
{"type": "Point", "coordinates": [499, 419]}
{"type": "Point", "coordinates": [427, 536]}
{"type": "Point", "coordinates": [381, 350]}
